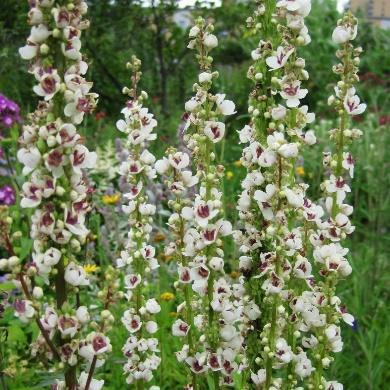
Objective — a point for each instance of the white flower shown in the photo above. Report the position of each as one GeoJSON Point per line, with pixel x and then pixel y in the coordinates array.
{"type": "Point", "coordinates": [39, 34]}
{"type": "Point", "coordinates": [280, 58]}
{"type": "Point", "coordinates": [289, 150]}
{"type": "Point", "coordinates": [180, 328]}
{"type": "Point", "coordinates": [132, 322]}
{"type": "Point", "coordinates": [226, 107]}
{"type": "Point", "coordinates": [30, 158]}
{"type": "Point", "coordinates": [35, 16]}
{"type": "Point", "coordinates": [294, 198]}
{"type": "Point", "coordinates": [263, 200]}
{"type": "Point", "coordinates": [259, 378]}
{"type": "Point", "coordinates": [292, 93]}
{"type": "Point", "coordinates": [82, 314]}
{"type": "Point", "coordinates": [194, 31]}
{"type": "Point", "coordinates": [283, 351]}
{"type": "Point", "coordinates": [210, 41]}
{"type": "Point", "coordinates": [245, 134]}
{"type": "Point", "coordinates": [215, 131]}
{"type": "Point", "coordinates": [252, 311]}
{"type": "Point", "coordinates": [67, 325]}
{"type": "Point", "coordinates": [342, 34]}
{"type": "Point", "coordinates": [333, 385]}
{"type": "Point", "coordinates": [179, 160]}
{"type": "Point", "coordinates": [151, 327]}
{"type": "Point", "coordinates": [49, 84]}
{"type": "Point", "coordinates": [348, 163]}
{"type": "Point", "coordinates": [147, 209]}
{"type": "Point", "coordinates": [147, 158]}
{"type": "Point", "coordinates": [52, 256]}
{"type": "Point", "coordinates": [71, 49]}
{"type": "Point", "coordinates": [82, 158]}
{"type": "Point", "coordinates": [302, 268]}
{"type": "Point", "coordinates": [301, 7]}
{"type": "Point", "coordinates": [29, 51]}
{"type": "Point", "coordinates": [205, 77]}
{"type": "Point", "coordinates": [303, 366]}
{"type": "Point", "coordinates": [24, 310]}
{"type": "Point", "coordinates": [152, 306]}
{"type": "Point", "coordinates": [162, 166]}
{"type": "Point", "coordinates": [352, 103]}
{"type": "Point", "coordinates": [338, 186]}
{"type": "Point", "coordinates": [278, 112]}
{"type": "Point", "coordinates": [75, 275]}
{"type": "Point", "coordinates": [94, 385]}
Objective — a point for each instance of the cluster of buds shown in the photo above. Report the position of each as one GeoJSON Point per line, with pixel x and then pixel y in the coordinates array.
{"type": "Point", "coordinates": [215, 343]}
{"type": "Point", "coordinates": [276, 215]}
{"type": "Point", "coordinates": [329, 254]}
{"type": "Point", "coordinates": [138, 257]}
{"type": "Point", "coordinates": [57, 193]}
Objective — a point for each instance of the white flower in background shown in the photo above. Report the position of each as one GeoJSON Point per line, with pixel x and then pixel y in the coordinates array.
{"type": "Point", "coordinates": [352, 103]}
{"type": "Point", "coordinates": [342, 34]}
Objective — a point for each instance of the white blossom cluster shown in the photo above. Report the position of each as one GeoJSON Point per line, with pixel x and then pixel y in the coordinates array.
{"type": "Point", "coordinates": [217, 306]}
{"type": "Point", "coordinates": [291, 251]}
{"type": "Point", "coordinates": [275, 212]}
{"type": "Point", "coordinates": [138, 258]}
{"type": "Point", "coordinates": [54, 158]}
{"type": "Point", "coordinates": [329, 254]}
{"type": "Point", "coordinates": [175, 167]}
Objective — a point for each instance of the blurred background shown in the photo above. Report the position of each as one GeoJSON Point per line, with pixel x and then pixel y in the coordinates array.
{"type": "Point", "coordinates": [156, 31]}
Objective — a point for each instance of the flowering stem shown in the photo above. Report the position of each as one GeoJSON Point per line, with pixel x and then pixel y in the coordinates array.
{"type": "Point", "coordinates": [37, 320]}
{"type": "Point", "coordinates": [90, 373]}
{"type": "Point", "coordinates": [188, 300]}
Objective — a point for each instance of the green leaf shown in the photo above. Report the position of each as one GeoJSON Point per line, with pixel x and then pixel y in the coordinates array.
{"type": "Point", "coordinates": [25, 249]}
{"type": "Point", "coordinates": [16, 335]}
{"type": "Point", "coordinates": [7, 286]}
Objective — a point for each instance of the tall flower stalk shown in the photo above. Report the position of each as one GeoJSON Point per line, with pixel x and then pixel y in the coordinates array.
{"type": "Point", "coordinates": [179, 180]}
{"type": "Point", "coordinates": [217, 304]}
{"type": "Point", "coordinates": [274, 210]}
{"type": "Point", "coordinates": [329, 254]}
{"type": "Point", "coordinates": [56, 192]}
{"type": "Point", "coordinates": [138, 257]}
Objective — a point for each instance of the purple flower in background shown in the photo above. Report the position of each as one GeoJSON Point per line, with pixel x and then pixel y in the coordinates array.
{"type": "Point", "coordinates": [7, 195]}
{"type": "Point", "coordinates": [9, 112]}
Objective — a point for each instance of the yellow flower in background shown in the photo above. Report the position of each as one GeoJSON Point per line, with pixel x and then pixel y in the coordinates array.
{"type": "Point", "coordinates": [159, 237]}
{"type": "Point", "coordinates": [300, 171]}
{"type": "Point", "coordinates": [173, 314]}
{"type": "Point", "coordinates": [234, 274]}
{"type": "Point", "coordinates": [237, 163]}
{"type": "Point", "coordinates": [229, 175]}
{"type": "Point", "coordinates": [89, 268]}
{"type": "Point", "coordinates": [111, 199]}
{"type": "Point", "coordinates": [167, 296]}
{"type": "Point", "coordinates": [164, 257]}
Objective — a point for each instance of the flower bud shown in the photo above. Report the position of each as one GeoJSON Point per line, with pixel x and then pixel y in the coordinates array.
{"type": "Point", "coordinates": [3, 264]}
{"type": "Point", "coordinates": [37, 292]}
{"type": "Point", "coordinates": [13, 261]}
